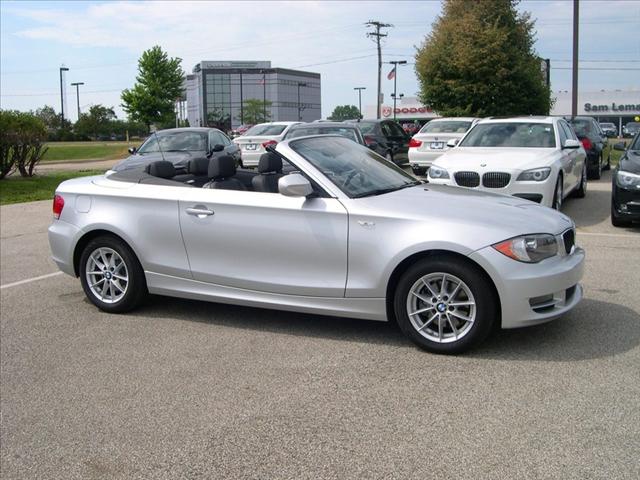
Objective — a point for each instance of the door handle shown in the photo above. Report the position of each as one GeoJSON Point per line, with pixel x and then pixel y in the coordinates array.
{"type": "Point", "coordinates": [199, 211]}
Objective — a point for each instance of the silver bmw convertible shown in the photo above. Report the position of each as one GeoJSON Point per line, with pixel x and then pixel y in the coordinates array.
{"type": "Point", "coordinates": [325, 226]}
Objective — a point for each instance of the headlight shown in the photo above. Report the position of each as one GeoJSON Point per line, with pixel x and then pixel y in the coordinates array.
{"type": "Point", "coordinates": [437, 172]}
{"type": "Point", "coordinates": [529, 248]}
{"type": "Point", "coordinates": [534, 175]}
{"type": "Point", "coordinates": [627, 179]}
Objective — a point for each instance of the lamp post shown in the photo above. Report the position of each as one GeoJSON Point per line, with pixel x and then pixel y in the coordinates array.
{"type": "Point", "coordinates": [395, 64]}
{"type": "Point", "coordinates": [359, 89]}
{"type": "Point", "coordinates": [300, 84]}
{"type": "Point", "coordinates": [77, 85]}
{"type": "Point", "coordinates": [62, 69]}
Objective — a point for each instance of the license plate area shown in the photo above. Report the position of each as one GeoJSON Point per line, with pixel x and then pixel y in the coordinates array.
{"type": "Point", "coordinates": [251, 146]}
{"type": "Point", "coordinates": [437, 145]}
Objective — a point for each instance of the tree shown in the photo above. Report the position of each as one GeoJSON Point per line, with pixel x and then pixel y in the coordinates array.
{"type": "Point", "coordinates": [98, 121]}
{"type": "Point", "coordinates": [22, 137]}
{"type": "Point", "coordinates": [255, 111]}
{"type": "Point", "coordinates": [479, 60]}
{"type": "Point", "coordinates": [218, 118]}
{"type": "Point", "coordinates": [158, 86]}
{"type": "Point", "coordinates": [345, 112]}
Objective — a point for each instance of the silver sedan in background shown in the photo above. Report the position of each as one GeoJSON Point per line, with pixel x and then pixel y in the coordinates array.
{"type": "Point", "coordinates": [346, 233]}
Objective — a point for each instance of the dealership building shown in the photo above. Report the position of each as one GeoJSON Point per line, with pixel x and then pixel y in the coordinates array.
{"type": "Point", "coordinates": [616, 106]}
{"type": "Point", "coordinates": [217, 92]}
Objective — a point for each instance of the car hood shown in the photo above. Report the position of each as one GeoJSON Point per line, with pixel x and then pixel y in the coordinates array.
{"type": "Point", "coordinates": [631, 162]}
{"type": "Point", "coordinates": [473, 158]}
{"type": "Point", "coordinates": [179, 159]}
{"type": "Point", "coordinates": [482, 218]}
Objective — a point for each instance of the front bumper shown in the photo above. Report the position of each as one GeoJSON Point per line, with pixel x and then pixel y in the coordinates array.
{"type": "Point", "coordinates": [535, 293]}
{"type": "Point", "coordinates": [625, 202]}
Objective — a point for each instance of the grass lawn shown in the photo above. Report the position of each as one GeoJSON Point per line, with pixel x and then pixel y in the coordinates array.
{"type": "Point", "coordinates": [75, 151]}
{"type": "Point", "coordinates": [16, 189]}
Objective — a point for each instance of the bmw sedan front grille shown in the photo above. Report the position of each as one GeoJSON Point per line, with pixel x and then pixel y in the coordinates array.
{"type": "Point", "coordinates": [569, 239]}
{"type": "Point", "coordinates": [467, 179]}
{"type": "Point", "coordinates": [496, 179]}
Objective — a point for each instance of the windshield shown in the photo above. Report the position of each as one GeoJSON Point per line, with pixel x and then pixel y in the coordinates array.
{"type": "Point", "coordinates": [633, 126]}
{"type": "Point", "coordinates": [266, 129]}
{"type": "Point", "coordinates": [635, 145]}
{"type": "Point", "coordinates": [513, 134]}
{"type": "Point", "coordinates": [607, 125]}
{"type": "Point", "coordinates": [303, 132]}
{"type": "Point", "coordinates": [176, 142]}
{"type": "Point", "coordinates": [353, 168]}
{"type": "Point", "coordinates": [446, 126]}
{"type": "Point", "coordinates": [581, 127]}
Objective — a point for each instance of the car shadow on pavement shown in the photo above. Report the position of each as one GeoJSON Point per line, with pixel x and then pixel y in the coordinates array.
{"type": "Point", "coordinates": [274, 321]}
{"type": "Point", "coordinates": [593, 209]}
{"type": "Point", "coordinates": [594, 329]}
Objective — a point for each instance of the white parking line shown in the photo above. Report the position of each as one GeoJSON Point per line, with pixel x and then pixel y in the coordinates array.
{"type": "Point", "coordinates": [29, 280]}
{"type": "Point", "coordinates": [594, 234]}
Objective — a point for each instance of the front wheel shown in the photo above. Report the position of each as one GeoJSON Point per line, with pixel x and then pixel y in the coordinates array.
{"type": "Point", "coordinates": [445, 305]}
{"type": "Point", "coordinates": [111, 275]}
{"type": "Point", "coordinates": [557, 194]}
{"type": "Point", "coordinates": [581, 191]}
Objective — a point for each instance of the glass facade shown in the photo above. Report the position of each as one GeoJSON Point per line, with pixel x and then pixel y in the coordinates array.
{"type": "Point", "coordinates": [217, 94]}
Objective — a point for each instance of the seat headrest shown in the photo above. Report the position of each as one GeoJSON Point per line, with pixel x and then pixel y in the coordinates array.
{"type": "Point", "coordinates": [198, 166]}
{"type": "Point", "coordinates": [222, 167]}
{"type": "Point", "coordinates": [161, 169]}
{"type": "Point", "coordinates": [270, 162]}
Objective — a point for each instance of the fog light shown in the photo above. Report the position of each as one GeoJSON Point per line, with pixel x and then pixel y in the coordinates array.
{"type": "Point", "coordinates": [623, 207]}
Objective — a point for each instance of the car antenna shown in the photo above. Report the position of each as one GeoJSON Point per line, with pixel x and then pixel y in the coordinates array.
{"type": "Point", "coordinates": [159, 147]}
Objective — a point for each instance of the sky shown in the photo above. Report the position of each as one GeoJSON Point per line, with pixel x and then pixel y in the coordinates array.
{"type": "Point", "coordinates": [100, 43]}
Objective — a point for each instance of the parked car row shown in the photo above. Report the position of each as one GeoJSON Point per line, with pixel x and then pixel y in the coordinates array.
{"type": "Point", "coordinates": [625, 188]}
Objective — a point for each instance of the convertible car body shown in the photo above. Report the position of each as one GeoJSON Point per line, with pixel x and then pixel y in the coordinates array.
{"type": "Point", "coordinates": [345, 233]}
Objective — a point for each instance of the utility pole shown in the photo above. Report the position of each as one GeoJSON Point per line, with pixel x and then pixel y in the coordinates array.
{"type": "Point", "coordinates": [395, 64]}
{"type": "Point", "coordinates": [62, 69]}
{"type": "Point", "coordinates": [574, 86]}
{"type": "Point", "coordinates": [77, 85]}
{"type": "Point", "coordinates": [300, 84]}
{"type": "Point", "coordinates": [377, 35]}
{"type": "Point", "coordinates": [241, 102]}
{"type": "Point", "coordinates": [359, 89]}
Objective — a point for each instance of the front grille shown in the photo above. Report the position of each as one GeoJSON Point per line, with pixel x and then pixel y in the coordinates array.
{"type": "Point", "coordinates": [467, 179]}
{"type": "Point", "coordinates": [569, 239]}
{"type": "Point", "coordinates": [496, 179]}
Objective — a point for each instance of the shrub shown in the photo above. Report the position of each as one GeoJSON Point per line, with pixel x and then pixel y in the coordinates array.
{"type": "Point", "coordinates": [22, 137]}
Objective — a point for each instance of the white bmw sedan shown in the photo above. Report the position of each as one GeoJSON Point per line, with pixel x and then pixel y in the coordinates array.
{"type": "Point", "coordinates": [254, 143]}
{"type": "Point", "coordinates": [535, 158]}
{"type": "Point", "coordinates": [432, 139]}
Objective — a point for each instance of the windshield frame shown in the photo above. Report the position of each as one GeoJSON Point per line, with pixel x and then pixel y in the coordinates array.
{"type": "Point", "coordinates": [408, 180]}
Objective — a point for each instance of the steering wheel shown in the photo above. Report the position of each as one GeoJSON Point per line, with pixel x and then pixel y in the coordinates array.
{"type": "Point", "coordinates": [353, 174]}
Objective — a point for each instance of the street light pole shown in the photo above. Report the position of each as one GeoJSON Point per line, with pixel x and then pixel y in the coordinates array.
{"type": "Point", "coordinates": [300, 84]}
{"type": "Point", "coordinates": [77, 85]}
{"type": "Point", "coordinates": [359, 89]}
{"type": "Point", "coordinates": [62, 69]}
{"type": "Point", "coordinates": [395, 64]}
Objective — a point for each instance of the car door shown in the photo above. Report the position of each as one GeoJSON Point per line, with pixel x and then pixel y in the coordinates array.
{"type": "Point", "coordinates": [398, 141]}
{"type": "Point", "coordinates": [266, 242]}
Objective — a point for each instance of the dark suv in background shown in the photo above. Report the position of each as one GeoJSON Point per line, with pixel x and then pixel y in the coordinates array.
{"type": "Point", "coordinates": [385, 137]}
{"type": "Point", "coordinates": [595, 143]}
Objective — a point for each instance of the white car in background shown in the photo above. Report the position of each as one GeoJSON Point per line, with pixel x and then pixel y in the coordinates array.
{"type": "Point", "coordinates": [535, 158]}
{"type": "Point", "coordinates": [254, 142]}
{"type": "Point", "coordinates": [431, 141]}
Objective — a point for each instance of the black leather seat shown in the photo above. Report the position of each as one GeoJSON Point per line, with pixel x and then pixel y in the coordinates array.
{"type": "Point", "coordinates": [221, 172]}
{"type": "Point", "coordinates": [161, 169]}
{"type": "Point", "coordinates": [197, 172]}
{"type": "Point", "coordinates": [270, 171]}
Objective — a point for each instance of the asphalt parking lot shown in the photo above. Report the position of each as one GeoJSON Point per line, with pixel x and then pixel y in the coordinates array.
{"type": "Point", "coordinates": [185, 389]}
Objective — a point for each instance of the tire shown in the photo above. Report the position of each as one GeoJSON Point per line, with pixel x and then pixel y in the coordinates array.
{"type": "Point", "coordinates": [596, 174]}
{"type": "Point", "coordinates": [608, 165]}
{"type": "Point", "coordinates": [126, 288]}
{"type": "Point", "coordinates": [436, 332]}
{"type": "Point", "coordinates": [557, 194]}
{"type": "Point", "coordinates": [616, 221]}
{"type": "Point", "coordinates": [581, 191]}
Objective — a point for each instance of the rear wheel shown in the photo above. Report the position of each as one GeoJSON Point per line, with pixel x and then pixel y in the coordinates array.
{"type": "Point", "coordinates": [111, 275]}
{"type": "Point", "coordinates": [608, 165]}
{"type": "Point", "coordinates": [596, 173]}
{"type": "Point", "coordinates": [445, 305]}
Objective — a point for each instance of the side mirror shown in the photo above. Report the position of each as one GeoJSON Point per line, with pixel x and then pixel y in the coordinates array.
{"type": "Point", "coordinates": [571, 143]}
{"type": "Point", "coordinates": [132, 150]}
{"type": "Point", "coordinates": [453, 142]}
{"type": "Point", "coordinates": [620, 146]}
{"type": "Point", "coordinates": [294, 185]}
{"type": "Point", "coordinates": [217, 148]}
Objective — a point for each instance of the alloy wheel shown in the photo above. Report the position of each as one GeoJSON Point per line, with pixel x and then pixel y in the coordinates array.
{"type": "Point", "coordinates": [107, 275]}
{"type": "Point", "coordinates": [441, 307]}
